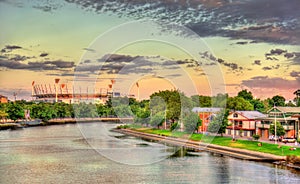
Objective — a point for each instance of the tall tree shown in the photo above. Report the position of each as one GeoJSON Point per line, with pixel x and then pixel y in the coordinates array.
{"type": "Point", "coordinates": [219, 123]}
{"type": "Point", "coordinates": [157, 119]}
{"type": "Point", "coordinates": [247, 95]}
{"type": "Point", "coordinates": [201, 101]}
{"type": "Point", "coordinates": [175, 101]}
{"type": "Point", "coordinates": [278, 100]}
{"type": "Point", "coordinates": [258, 105]}
{"type": "Point", "coordinates": [297, 99]}
{"type": "Point", "coordinates": [191, 122]}
{"type": "Point", "coordinates": [239, 103]}
{"type": "Point", "coordinates": [219, 100]}
{"type": "Point", "coordinates": [279, 129]}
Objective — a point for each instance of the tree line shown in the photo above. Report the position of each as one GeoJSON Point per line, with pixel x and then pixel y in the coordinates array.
{"type": "Point", "coordinates": [171, 106]}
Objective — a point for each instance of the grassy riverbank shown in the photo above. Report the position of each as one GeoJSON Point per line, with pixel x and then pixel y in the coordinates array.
{"type": "Point", "coordinates": [280, 150]}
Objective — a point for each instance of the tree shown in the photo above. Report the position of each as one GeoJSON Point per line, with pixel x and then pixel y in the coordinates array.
{"type": "Point", "coordinates": [247, 95]}
{"type": "Point", "coordinates": [279, 129]}
{"type": "Point", "coordinates": [123, 111]}
{"type": "Point", "coordinates": [43, 111]}
{"type": "Point", "coordinates": [258, 105]}
{"type": "Point", "coordinates": [297, 99]}
{"type": "Point", "coordinates": [191, 122]}
{"type": "Point", "coordinates": [219, 123]}
{"type": "Point", "coordinates": [83, 110]}
{"type": "Point", "coordinates": [157, 119]}
{"type": "Point", "coordinates": [62, 110]}
{"type": "Point", "coordinates": [278, 100]}
{"type": "Point", "coordinates": [15, 111]}
{"type": "Point", "coordinates": [201, 101]}
{"type": "Point", "coordinates": [174, 100]}
{"type": "Point", "coordinates": [142, 116]}
{"type": "Point", "coordinates": [3, 114]}
{"type": "Point", "coordinates": [219, 100]}
{"type": "Point", "coordinates": [239, 103]}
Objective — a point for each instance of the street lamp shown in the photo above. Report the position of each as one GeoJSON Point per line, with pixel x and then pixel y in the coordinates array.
{"type": "Point", "coordinates": [275, 125]}
{"type": "Point", "coordinates": [233, 124]}
{"type": "Point", "coordinates": [56, 83]}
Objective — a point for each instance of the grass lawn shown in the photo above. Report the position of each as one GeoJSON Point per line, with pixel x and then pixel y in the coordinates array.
{"type": "Point", "coordinates": [282, 150]}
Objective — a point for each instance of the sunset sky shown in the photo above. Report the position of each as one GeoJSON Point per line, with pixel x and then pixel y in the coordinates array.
{"type": "Point", "coordinates": [198, 46]}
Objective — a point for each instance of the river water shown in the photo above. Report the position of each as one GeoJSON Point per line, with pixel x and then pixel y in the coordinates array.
{"type": "Point", "coordinates": [91, 153]}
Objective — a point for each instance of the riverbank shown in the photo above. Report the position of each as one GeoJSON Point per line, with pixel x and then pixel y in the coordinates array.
{"type": "Point", "coordinates": [199, 146]}
{"type": "Point", "coordinates": [216, 149]}
{"type": "Point", "coordinates": [59, 121]}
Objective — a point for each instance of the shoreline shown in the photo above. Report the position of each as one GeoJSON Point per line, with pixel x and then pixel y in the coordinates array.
{"type": "Point", "coordinates": [223, 150]}
{"type": "Point", "coordinates": [242, 154]}
{"type": "Point", "coordinates": [59, 121]}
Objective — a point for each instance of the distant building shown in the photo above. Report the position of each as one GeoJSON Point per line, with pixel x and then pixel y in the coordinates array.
{"type": "Point", "coordinates": [3, 99]}
{"type": "Point", "coordinates": [287, 118]}
{"type": "Point", "coordinates": [243, 123]}
{"type": "Point", "coordinates": [206, 114]}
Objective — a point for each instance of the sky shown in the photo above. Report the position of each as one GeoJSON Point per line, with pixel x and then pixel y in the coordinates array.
{"type": "Point", "coordinates": [201, 47]}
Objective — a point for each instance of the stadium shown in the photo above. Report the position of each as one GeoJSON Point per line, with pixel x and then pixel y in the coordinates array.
{"type": "Point", "coordinates": [68, 94]}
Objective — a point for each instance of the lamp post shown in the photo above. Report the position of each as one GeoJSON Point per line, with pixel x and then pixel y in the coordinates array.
{"type": "Point", "coordinates": [275, 125]}
{"type": "Point", "coordinates": [233, 124]}
{"type": "Point", "coordinates": [56, 90]}
{"type": "Point", "coordinates": [138, 91]}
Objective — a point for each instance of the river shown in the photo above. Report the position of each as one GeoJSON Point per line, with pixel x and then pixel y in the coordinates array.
{"type": "Point", "coordinates": [91, 153]}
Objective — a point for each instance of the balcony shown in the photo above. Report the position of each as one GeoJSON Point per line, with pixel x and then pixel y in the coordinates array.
{"type": "Point", "coordinates": [263, 125]}
{"type": "Point", "coordinates": [267, 126]}
{"type": "Point", "coordinates": [288, 127]}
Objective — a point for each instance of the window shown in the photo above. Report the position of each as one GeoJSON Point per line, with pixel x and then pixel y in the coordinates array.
{"type": "Point", "coordinates": [251, 133]}
{"type": "Point", "coordinates": [235, 115]}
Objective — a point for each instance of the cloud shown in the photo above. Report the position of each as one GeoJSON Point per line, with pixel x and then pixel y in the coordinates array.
{"type": "Point", "coordinates": [60, 63]}
{"type": "Point", "coordinates": [274, 21]}
{"type": "Point", "coordinates": [271, 68]}
{"type": "Point", "coordinates": [44, 54]}
{"type": "Point", "coordinates": [19, 58]}
{"type": "Point", "coordinates": [127, 64]}
{"type": "Point", "coordinates": [293, 56]}
{"type": "Point", "coordinates": [257, 62]}
{"type": "Point", "coordinates": [118, 58]}
{"type": "Point", "coordinates": [47, 6]}
{"type": "Point", "coordinates": [9, 48]}
{"type": "Point", "coordinates": [47, 65]}
{"type": "Point", "coordinates": [295, 74]}
{"type": "Point", "coordinates": [230, 65]}
{"type": "Point", "coordinates": [88, 49]}
{"type": "Point", "coordinates": [267, 82]}
{"type": "Point", "coordinates": [277, 51]}
{"type": "Point", "coordinates": [241, 43]}
{"type": "Point", "coordinates": [266, 68]}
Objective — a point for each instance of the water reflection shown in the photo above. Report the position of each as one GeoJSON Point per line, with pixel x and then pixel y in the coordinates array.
{"type": "Point", "coordinates": [60, 154]}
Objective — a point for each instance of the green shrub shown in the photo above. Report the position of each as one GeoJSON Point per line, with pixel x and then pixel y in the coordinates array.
{"type": "Point", "coordinates": [255, 137]}
{"type": "Point", "coordinates": [122, 126]}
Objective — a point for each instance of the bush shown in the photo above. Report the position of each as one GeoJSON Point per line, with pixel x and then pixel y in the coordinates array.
{"type": "Point", "coordinates": [256, 137]}
{"type": "Point", "coordinates": [122, 126]}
